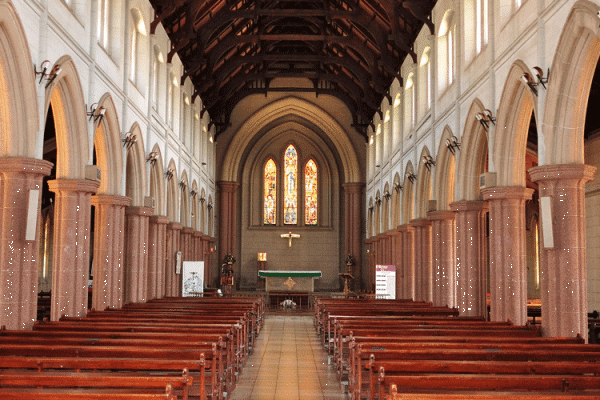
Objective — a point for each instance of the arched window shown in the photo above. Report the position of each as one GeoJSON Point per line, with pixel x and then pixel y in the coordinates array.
{"type": "Point", "coordinates": [425, 79]}
{"type": "Point", "coordinates": [446, 50]}
{"type": "Point", "coordinates": [476, 27]}
{"type": "Point", "coordinates": [290, 186]}
{"type": "Point", "coordinates": [103, 23]}
{"type": "Point", "coordinates": [270, 192]}
{"type": "Point", "coordinates": [138, 30]}
{"type": "Point", "coordinates": [310, 193]}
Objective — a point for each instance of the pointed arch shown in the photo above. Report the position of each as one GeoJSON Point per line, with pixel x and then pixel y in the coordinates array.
{"type": "Point", "coordinates": [195, 208]}
{"type": "Point", "coordinates": [371, 219]}
{"type": "Point", "coordinates": [290, 185]}
{"type": "Point", "coordinates": [107, 142]}
{"type": "Point", "coordinates": [474, 147]}
{"type": "Point", "coordinates": [407, 194]}
{"type": "Point", "coordinates": [423, 189]}
{"type": "Point", "coordinates": [19, 113]}
{"type": "Point", "coordinates": [172, 192]}
{"type": "Point", "coordinates": [377, 227]}
{"type": "Point", "coordinates": [514, 116]}
{"type": "Point", "coordinates": [311, 192]}
{"type": "Point", "coordinates": [211, 216]}
{"type": "Point", "coordinates": [569, 85]}
{"type": "Point", "coordinates": [396, 201]}
{"type": "Point", "coordinates": [135, 170]}
{"type": "Point", "coordinates": [270, 192]}
{"type": "Point", "coordinates": [203, 206]}
{"type": "Point", "coordinates": [386, 208]}
{"type": "Point", "coordinates": [73, 146]}
{"type": "Point", "coordinates": [157, 182]}
{"type": "Point", "coordinates": [184, 207]}
{"type": "Point", "coordinates": [445, 173]}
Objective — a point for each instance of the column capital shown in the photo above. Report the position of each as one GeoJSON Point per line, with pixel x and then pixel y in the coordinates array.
{"type": "Point", "coordinates": [133, 210]}
{"type": "Point", "coordinates": [109, 199]}
{"type": "Point", "coordinates": [353, 186]}
{"type": "Point", "coordinates": [159, 219]}
{"type": "Point", "coordinates": [25, 165]}
{"type": "Point", "coordinates": [469, 205]}
{"type": "Point", "coordinates": [209, 239]}
{"type": "Point", "coordinates": [187, 230]}
{"type": "Point", "coordinates": [175, 226]}
{"type": "Point", "coordinates": [420, 222]}
{"type": "Point", "coordinates": [227, 186]}
{"type": "Point", "coordinates": [372, 239]}
{"type": "Point", "coordinates": [198, 234]}
{"type": "Point", "coordinates": [441, 215]}
{"type": "Point", "coordinates": [507, 192]}
{"type": "Point", "coordinates": [562, 172]}
{"type": "Point", "coordinates": [405, 228]}
{"type": "Point", "coordinates": [73, 185]}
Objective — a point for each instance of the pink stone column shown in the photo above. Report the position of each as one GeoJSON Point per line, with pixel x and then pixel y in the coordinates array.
{"type": "Point", "coordinates": [423, 273]}
{"type": "Point", "coordinates": [19, 258]}
{"type": "Point", "coordinates": [407, 270]}
{"type": "Point", "coordinates": [443, 257]}
{"type": "Point", "coordinates": [563, 268]}
{"type": "Point", "coordinates": [471, 257]}
{"type": "Point", "coordinates": [187, 247]}
{"type": "Point", "coordinates": [508, 254]}
{"type": "Point", "coordinates": [396, 239]}
{"type": "Point", "coordinates": [371, 262]}
{"type": "Point", "coordinates": [70, 273]}
{"type": "Point", "coordinates": [136, 255]}
{"type": "Point", "coordinates": [197, 235]}
{"type": "Point", "coordinates": [157, 248]}
{"type": "Point", "coordinates": [353, 230]}
{"type": "Point", "coordinates": [109, 244]}
{"type": "Point", "coordinates": [172, 283]}
{"type": "Point", "coordinates": [228, 219]}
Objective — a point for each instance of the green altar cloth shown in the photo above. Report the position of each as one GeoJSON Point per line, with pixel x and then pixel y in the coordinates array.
{"type": "Point", "coordinates": [289, 281]}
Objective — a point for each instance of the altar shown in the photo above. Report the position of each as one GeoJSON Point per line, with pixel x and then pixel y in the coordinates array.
{"type": "Point", "coordinates": [289, 281]}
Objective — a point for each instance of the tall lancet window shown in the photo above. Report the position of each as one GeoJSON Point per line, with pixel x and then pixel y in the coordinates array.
{"type": "Point", "coordinates": [290, 186]}
{"type": "Point", "coordinates": [310, 193]}
{"type": "Point", "coordinates": [270, 193]}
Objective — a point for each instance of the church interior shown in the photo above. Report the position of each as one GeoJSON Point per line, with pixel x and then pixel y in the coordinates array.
{"type": "Point", "coordinates": [261, 163]}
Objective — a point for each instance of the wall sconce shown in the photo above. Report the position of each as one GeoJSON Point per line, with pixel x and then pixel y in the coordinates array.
{"type": "Point", "coordinates": [182, 184]}
{"type": "Point", "coordinates": [397, 187]}
{"type": "Point", "coordinates": [129, 140]}
{"type": "Point", "coordinates": [452, 144]}
{"type": "Point", "coordinates": [210, 206]}
{"type": "Point", "coordinates": [96, 113]}
{"type": "Point", "coordinates": [193, 193]}
{"type": "Point", "coordinates": [387, 195]}
{"type": "Point", "coordinates": [378, 200]}
{"type": "Point", "coordinates": [152, 157]}
{"type": "Point", "coordinates": [428, 161]}
{"type": "Point", "coordinates": [411, 177]}
{"type": "Point", "coordinates": [169, 174]}
{"type": "Point", "coordinates": [485, 117]}
{"type": "Point", "coordinates": [262, 256]}
{"type": "Point", "coordinates": [43, 72]}
{"type": "Point", "coordinates": [371, 208]}
{"type": "Point", "coordinates": [202, 200]}
{"type": "Point", "coordinates": [541, 80]}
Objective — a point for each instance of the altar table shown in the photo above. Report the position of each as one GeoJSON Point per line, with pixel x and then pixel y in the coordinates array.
{"type": "Point", "coordinates": [289, 281]}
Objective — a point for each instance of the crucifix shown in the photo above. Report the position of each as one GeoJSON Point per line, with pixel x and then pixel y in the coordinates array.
{"type": "Point", "coordinates": [290, 236]}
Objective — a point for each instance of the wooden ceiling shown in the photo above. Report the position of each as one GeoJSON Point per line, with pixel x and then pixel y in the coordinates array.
{"type": "Point", "coordinates": [234, 48]}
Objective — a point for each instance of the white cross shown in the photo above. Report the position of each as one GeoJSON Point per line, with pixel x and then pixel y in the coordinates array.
{"type": "Point", "coordinates": [290, 236]}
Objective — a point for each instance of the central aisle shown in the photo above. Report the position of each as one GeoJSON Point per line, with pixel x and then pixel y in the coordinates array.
{"type": "Point", "coordinates": [288, 363]}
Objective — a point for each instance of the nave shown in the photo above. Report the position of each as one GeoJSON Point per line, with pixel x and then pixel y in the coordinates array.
{"type": "Point", "coordinates": [288, 363]}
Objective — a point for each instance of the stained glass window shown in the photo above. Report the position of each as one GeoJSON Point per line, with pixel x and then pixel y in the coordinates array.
{"type": "Point", "coordinates": [270, 193]}
{"type": "Point", "coordinates": [310, 193]}
{"type": "Point", "coordinates": [290, 187]}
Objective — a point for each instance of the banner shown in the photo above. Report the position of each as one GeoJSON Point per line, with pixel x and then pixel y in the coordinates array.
{"type": "Point", "coordinates": [385, 282]}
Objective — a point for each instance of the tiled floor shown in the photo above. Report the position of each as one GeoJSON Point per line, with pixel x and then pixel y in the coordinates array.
{"type": "Point", "coordinates": [288, 363]}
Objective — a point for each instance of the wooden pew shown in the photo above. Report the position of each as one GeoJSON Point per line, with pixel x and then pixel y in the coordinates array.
{"type": "Point", "coordinates": [84, 394]}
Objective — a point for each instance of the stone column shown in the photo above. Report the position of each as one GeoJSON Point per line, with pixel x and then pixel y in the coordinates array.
{"type": "Point", "coordinates": [353, 229]}
{"type": "Point", "coordinates": [19, 258]}
{"type": "Point", "coordinates": [471, 257]}
{"type": "Point", "coordinates": [157, 248]}
{"type": "Point", "coordinates": [423, 274]}
{"type": "Point", "coordinates": [137, 278]}
{"type": "Point", "coordinates": [197, 237]}
{"type": "Point", "coordinates": [109, 242]}
{"type": "Point", "coordinates": [563, 272]}
{"type": "Point", "coordinates": [443, 257]}
{"type": "Point", "coordinates": [187, 247]}
{"type": "Point", "coordinates": [207, 257]}
{"type": "Point", "coordinates": [407, 270]}
{"type": "Point", "coordinates": [71, 248]}
{"type": "Point", "coordinates": [172, 283]}
{"type": "Point", "coordinates": [508, 263]}
{"type": "Point", "coordinates": [228, 220]}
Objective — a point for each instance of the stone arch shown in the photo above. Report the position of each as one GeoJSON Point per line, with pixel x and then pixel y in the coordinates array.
{"type": "Point", "coordinates": [184, 208]}
{"type": "Point", "coordinates": [377, 213]}
{"type": "Point", "coordinates": [157, 181]}
{"type": "Point", "coordinates": [211, 219]}
{"type": "Point", "coordinates": [371, 221]}
{"type": "Point", "coordinates": [19, 114]}
{"type": "Point", "coordinates": [107, 141]}
{"type": "Point", "coordinates": [514, 115]}
{"type": "Point", "coordinates": [66, 95]}
{"type": "Point", "coordinates": [474, 152]}
{"type": "Point", "coordinates": [172, 192]}
{"type": "Point", "coordinates": [386, 207]}
{"type": "Point", "coordinates": [195, 209]}
{"type": "Point", "coordinates": [445, 173]}
{"type": "Point", "coordinates": [301, 108]}
{"type": "Point", "coordinates": [203, 205]}
{"type": "Point", "coordinates": [569, 85]}
{"type": "Point", "coordinates": [423, 189]}
{"type": "Point", "coordinates": [407, 194]}
{"type": "Point", "coordinates": [396, 201]}
{"type": "Point", "coordinates": [135, 174]}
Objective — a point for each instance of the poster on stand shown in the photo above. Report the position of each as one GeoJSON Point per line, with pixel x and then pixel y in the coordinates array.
{"type": "Point", "coordinates": [192, 279]}
{"type": "Point", "coordinates": [385, 282]}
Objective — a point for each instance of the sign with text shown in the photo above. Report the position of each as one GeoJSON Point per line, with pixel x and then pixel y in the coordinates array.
{"type": "Point", "coordinates": [385, 282]}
